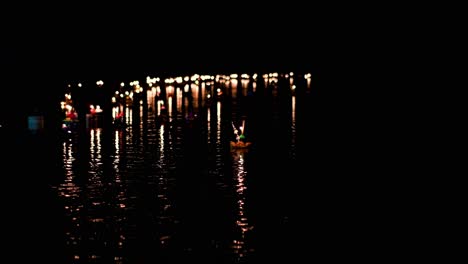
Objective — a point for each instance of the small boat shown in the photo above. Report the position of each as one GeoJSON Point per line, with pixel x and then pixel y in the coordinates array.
{"type": "Point", "coordinates": [240, 142]}
{"type": "Point", "coordinates": [240, 145]}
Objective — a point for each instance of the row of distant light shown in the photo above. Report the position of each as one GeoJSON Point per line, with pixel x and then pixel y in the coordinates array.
{"type": "Point", "coordinates": [197, 77]}
{"type": "Point", "coordinates": [150, 81]}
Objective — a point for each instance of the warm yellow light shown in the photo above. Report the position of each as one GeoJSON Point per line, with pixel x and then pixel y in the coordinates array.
{"type": "Point", "coordinates": [194, 77]}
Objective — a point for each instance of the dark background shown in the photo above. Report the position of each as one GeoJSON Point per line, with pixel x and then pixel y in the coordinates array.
{"type": "Point", "coordinates": [357, 139]}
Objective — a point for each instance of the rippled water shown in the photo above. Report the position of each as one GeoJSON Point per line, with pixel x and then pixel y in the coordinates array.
{"type": "Point", "coordinates": [171, 190]}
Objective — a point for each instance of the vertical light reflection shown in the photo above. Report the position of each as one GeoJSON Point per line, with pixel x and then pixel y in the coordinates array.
{"type": "Point", "coordinates": [92, 144]}
{"type": "Point", "coordinates": [141, 114]}
{"type": "Point", "coordinates": [164, 185]}
{"type": "Point", "coordinates": [117, 150]}
{"type": "Point", "coordinates": [161, 142]}
{"type": "Point", "coordinates": [158, 107]}
{"type": "Point", "coordinates": [179, 99]}
{"type": "Point", "coordinates": [115, 111]}
{"type": "Point", "coordinates": [195, 88]}
{"type": "Point", "coordinates": [218, 123]}
{"type": "Point", "coordinates": [208, 127]}
{"type": "Point", "coordinates": [95, 147]}
{"type": "Point", "coordinates": [121, 197]}
{"type": "Point", "coordinates": [203, 92]}
{"type": "Point", "coordinates": [234, 87]}
{"type": "Point", "coordinates": [150, 95]}
{"type": "Point", "coordinates": [293, 126]}
{"type": "Point", "coordinates": [169, 105]}
{"type": "Point", "coordinates": [128, 117]}
{"type": "Point", "coordinates": [188, 93]}
{"type": "Point", "coordinates": [170, 90]}
{"type": "Point", "coordinates": [244, 85]}
{"type": "Point", "coordinates": [70, 194]}
{"type": "Point", "coordinates": [98, 147]}
{"type": "Point", "coordinates": [239, 244]}
{"type": "Point", "coordinates": [95, 202]}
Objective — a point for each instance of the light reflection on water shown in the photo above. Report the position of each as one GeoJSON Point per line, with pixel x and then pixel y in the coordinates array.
{"type": "Point", "coordinates": [240, 245]}
{"type": "Point", "coordinates": [125, 203]}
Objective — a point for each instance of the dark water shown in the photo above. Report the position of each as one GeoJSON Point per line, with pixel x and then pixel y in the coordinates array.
{"type": "Point", "coordinates": [171, 190]}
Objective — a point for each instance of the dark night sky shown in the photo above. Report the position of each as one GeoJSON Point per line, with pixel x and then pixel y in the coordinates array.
{"type": "Point", "coordinates": [72, 42]}
{"type": "Point", "coordinates": [104, 42]}
{"type": "Point", "coordinates": [113, 55]}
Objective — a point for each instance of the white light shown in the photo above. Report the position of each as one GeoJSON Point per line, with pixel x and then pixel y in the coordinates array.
{"type": "Point", "coordinates": [79, 84]}
{"type": "Point", "coordinates": [122, 84]}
